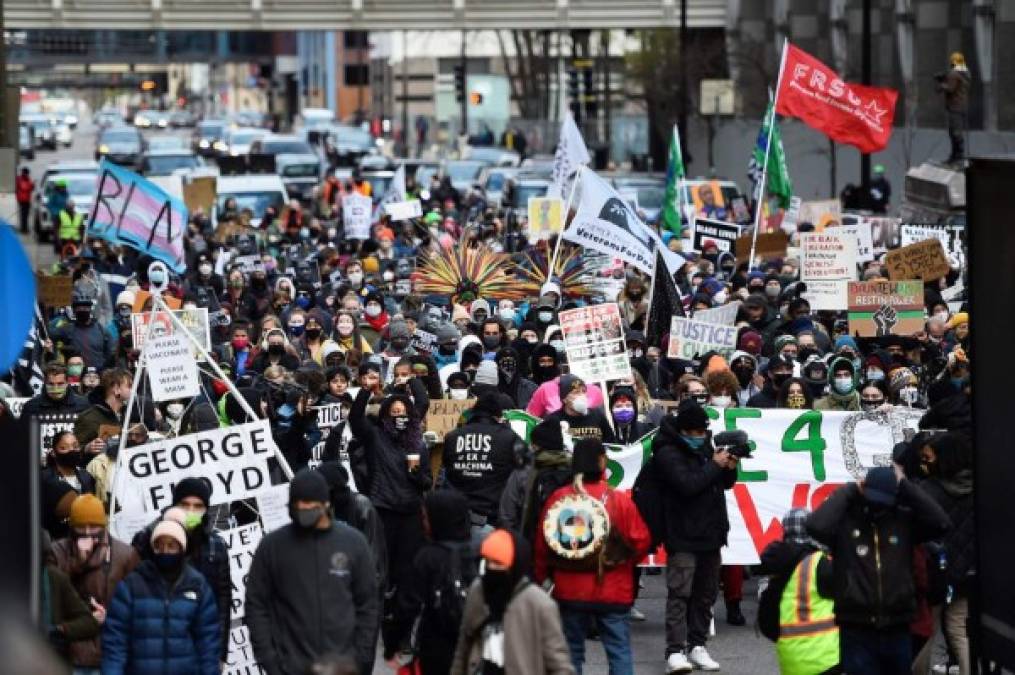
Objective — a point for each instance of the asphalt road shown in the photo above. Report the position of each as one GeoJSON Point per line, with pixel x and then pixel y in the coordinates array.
{"type": "Point", "coordinates": [740, 651]}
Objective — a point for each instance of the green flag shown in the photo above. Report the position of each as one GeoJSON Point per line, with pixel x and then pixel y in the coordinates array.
{"type": "Point", "coordinates": [675, 173]}
{"type": "Point", "coordinates": [778, 181]}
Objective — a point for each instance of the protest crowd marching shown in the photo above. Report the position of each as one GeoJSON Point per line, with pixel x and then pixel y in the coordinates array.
{"type": "Point", "coordinates": [456, 445]}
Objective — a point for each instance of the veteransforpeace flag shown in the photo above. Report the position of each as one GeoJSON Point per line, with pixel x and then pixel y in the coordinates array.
{"type": "Point", "coordinates": [675, 173]}
{"type": "Point", "coordinates": [132, 211]}
{"type": "Point", "coordinates": [845, 112]}
{"type": "Point", "coordinates": [779, 184]}
{"type": "Point", "coordinates": [570, 155]}
{"type": "Point", "coordinates": [606, 223]}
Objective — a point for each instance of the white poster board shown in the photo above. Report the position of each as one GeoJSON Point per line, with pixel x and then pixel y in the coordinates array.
{"type": "Point", "coordinates": [404, 210]}
{"type": "Point", "coordinates": [172, 369]}
{"type": "Point", "coordinates": [594, 341]}
{"type": "Point", "coordinates": [357, 211]}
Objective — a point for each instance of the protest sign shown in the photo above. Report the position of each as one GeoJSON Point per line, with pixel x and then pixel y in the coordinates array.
{"type": "Point", "coordinates": [54, 290]}
{"type": "Point", "coordinates": [691, 337]}
{"type": "Point", "coordinates": [234, 459]}
{"type": "Point", "coordinates": [723, 315]}
{"type": "Point", "coordinates": [49, 425]}
{"type": "Point", "coordinates": [330, 416]}
{"type": "Point", "coordinates": [132, 211]}
{"type": "Point", "coordinates": [443, 415]}
{"type": "Point", "coordinates": [723, 235]}
{"type": "Point", "coordinates": [594, 341]}
{"type": "Point", "coordinates": [240, 660]}
{"type": "Point", "coordinates": [885, 231]}
{"type": "Point", "coordinates": [879, 308]}
{"type": "Point", "coordinates": [821, 213]}
{"type": "Point", "coordinates": [199, 193]}
{"type": "Point", "coordinates": [404, 210]}
{"type": "Point", "coordinates": [273, 507]}
{"type": "Point", "coordinates": [172, 370]}
{"type": "Point", "coordinates": [357, 210]}
{"type": "Point", "coordinates": [768, 245]}
{"type": "Point", "coordinates": [195, 320]}
{"type": "Point", "coordinates": [242, 543]}
{"type": "Point", "coordinates": [923, 260]}
{"type": "Point", "coordinates": [792, 216]}
{"type": "Point", "coordinates": [741, 213]}
{"type": "Point", "coordinates": [827, 263]}
{"type": "Point", "coordinates": [546, 215]}
{"type": "Point", "coordinates": [912, 234]}
{"type": "Point", "coordinates": [827, 294]}
{"type": "Point", "coordinates": [864, 244]}
{"type": "Point", "coordinates": [707, 198]}
{"type": "Point", "coordinates": [423, 341]}
{"type": "Point", "coordinates": [15, 404]}
{"type": "Point", "coordinates": [248, 264]}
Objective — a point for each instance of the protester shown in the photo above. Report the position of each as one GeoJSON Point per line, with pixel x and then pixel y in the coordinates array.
{"type": "Point", "coordinates": [24, 186]}
{"type": "Point", "coordinates": [312, 590]}
{"type": "Point", "coordinates": [65, 619]}
{"type": "Point", "coordinates": [509, 625]}
{"type": "Point", "coordinates": [56, 397]}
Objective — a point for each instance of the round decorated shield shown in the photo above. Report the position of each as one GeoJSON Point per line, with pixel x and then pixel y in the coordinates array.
{"type": "Point", "coordinates": [576, 526]}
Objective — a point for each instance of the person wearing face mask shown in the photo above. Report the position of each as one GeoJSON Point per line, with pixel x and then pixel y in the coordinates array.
{"type": "Point", "coordinates": [873, 396]}
{"type": "Point", "coordinates": [815, 374]}
{"type": "Point", "coordinates": [878, 365]}
{"type": "Point", "coordinates": [312, 589]}
{"type": "Point", "coordinates": [275, 352]}
{"type": "Point", "coordinates": [256, 299]}
{"type": "Point", "coordinates": [510, 625]}
{"type": "Point", "coordinates": [635, 341]}
{"type": "Point", "coordinates": [871, 529]}
{"type": "Point", "coordinates": [633, 303]}
{"type": "Point", "coordinates": [108, 401]}
{"type": "Point", "coordinates": [744, 367]}
{"type": "Point", "coordinates": [56, 396]}
{"type": "Point", "coordinates": [479, 311]}
{"type": "Point", "coordinates": [202, 274]}
{"type": "Point", "coordinates": [205, 551]}
{"type": "Point", "coordinates": [121, 313]}
{"type": "Point", "coordinates": [694, 478]}
{"type": "Point", "coordinates": [238, 352]}
{"type": "Point", "coordinates": [584, 420]}
{"type": "Point", "coordinates": [759, 314]}
{"type": "Point", "coordinates": [458, 386]}
{"type": "Point", "coordinates": [795, 394]}
{"type": "Point", "coordinates": [399, 340]}
{"type": "Point", "coordinates": [95, 344]}
{"type": "Point", "coordinates": [494, 337]}
{"type": "Point", "coordinates": [904, 388]}
{"type": "Point", "coordinates": [95, 562]}
{"type": "Point", "coordinates": [314, 341]}
{"type": "Point", "coordinates": [507, 313]}
{"type": "Point", "coordinates": [624, 409]}
{"type": "Point", "coordinates": [375, 318]}
{"type": "Point", "coordinates": [64, 464]}
{"type": "Point", "coordinates": [447, 345]}
{"type": "Point", "coordinates": [165, 601]}
{"type": "Point", "coordinates": [779, 369]}
{"type": "Point", "coordinates": [842, 392]}
{"type": "Point", "coordinates": [723, 388]}
{"type": "Point", "coordinates": [545, 363]}
{"type": "Point", "coordinates": [510, 381]}
{"type": "Point", "coordinates": [544, 314]}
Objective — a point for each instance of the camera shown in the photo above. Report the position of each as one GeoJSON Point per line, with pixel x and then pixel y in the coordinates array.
{"type": "Point", "coordinates": [734, 442]}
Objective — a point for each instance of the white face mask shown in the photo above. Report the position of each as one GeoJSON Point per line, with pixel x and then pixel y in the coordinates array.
{"type": "Point", "coordinates": [204, 269]}
{"type": "Point", "coordinates": [546, 317]}
{"type": "Point", "coordinates": [875, 375]}
{"type": "Point", "coordinates": [557, 344]}
{"type": "Point", "coordinates": [942, 316]}
{"type": "Point", "coordinates": [459, 394]}
{"type": "Point", "coordinates": [356, 278]}
{"type": "Point", "coordinates": [373, 310]}
{"type": "Point", "coordinates": [389, 275]}
{"type": "Point", "coordinates": [580, 404]}
{"type": "Point", "coordinates": [842, 385]}
{"type": "Point", "coordinates": [909, 395]}
{"type": "Point", "coordinates": [720, 298]}
{"type": "Point", "coordinates": [722, 401]}
{"type": "Point", "coordinates": [773, 291]}
{"type": "Point", "coordinates": [507, 314]}
{"type": "Point", "coordinates": [174, 410]}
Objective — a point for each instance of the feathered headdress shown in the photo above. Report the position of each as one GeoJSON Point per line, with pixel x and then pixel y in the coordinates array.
{"type": "Point", "coordinates": [568, 273]}
{"type": "Point", "coordinates": [462, 275]}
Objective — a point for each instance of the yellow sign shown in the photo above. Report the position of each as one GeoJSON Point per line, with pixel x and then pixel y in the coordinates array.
{"type": "Point", "coordinates": [546, 214]}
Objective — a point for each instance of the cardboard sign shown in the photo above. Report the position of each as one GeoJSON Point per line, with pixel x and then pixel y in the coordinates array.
{"type": "Point", "coordinates": [724, 235]}
{"type": "Point", "coordinates": [879, 308]}
{"type": "Point", "coordinates": [690, 338]}
{"type": "Point", "coordinates": [594, 341]}
{"type": "Point", "coordinates": [789, 220]}
{"type": "Point", "coordinates": [546, 214]}
{"type": "Point", "coordinates": [443, 415]}
{"type": "Point", "coordinates": [769, 245]}
{"type": "Point", "coordinates": [923, 260]}
{"type": "Point", "coordinates": [199, 193]}
{"type": "Point", "coordinates": [234, 459]}
{"type": "Point", "coordinates": [247, 264]}
{"type": "Point", "coordinates": [141, 301]}
{"type": "Point", "coordinates": [54, 291]}
{"type": "Point", "coordinates": [172, 369]}
{"type": "Point", "coordinates": [723, 315]}
{"type": "Point", "coordinates": [404, 210]}
{"type": "Point", "coordinates": [107, 431]}
{"type": "Point", "coordinates": [357, 212]}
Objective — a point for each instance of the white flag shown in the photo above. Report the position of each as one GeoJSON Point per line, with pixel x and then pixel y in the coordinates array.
{"type": "Point", "coordinates": [571, 154]}
{"type": "Point", "coordinates": [605, 222]}
{"type": "Point", "coordinates": [394, 193]}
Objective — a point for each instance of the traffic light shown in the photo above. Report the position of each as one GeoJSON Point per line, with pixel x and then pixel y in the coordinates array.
{"type": "Point", "coordinates": [572, 85]}
{"type": "Point", "coordinates": [147, 85]}
{"type": "Point", "coordinates": [475, 98]}
{"type": "Point", "coordinates": [459, 83]}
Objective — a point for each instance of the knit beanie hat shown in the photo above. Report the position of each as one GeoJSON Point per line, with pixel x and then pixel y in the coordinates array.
{"type": "Point", "coordinates": [487, 373]}
{"type": "Point", "coordinates": [86, 510]}
{"type": "Point", "coordinates": [171, 529]}
{"type": "Point", "coordinates": [308, 486]}
{"type": "Point", "coordinates": [192, 487]}
{"type": "Point", "coordinates": [547, 436]}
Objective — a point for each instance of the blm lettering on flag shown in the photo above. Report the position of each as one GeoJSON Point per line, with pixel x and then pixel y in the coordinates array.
{"type": "Point", "coordinates": [27, 372]}
{"type": "Point", "coordinates": [666, 303]}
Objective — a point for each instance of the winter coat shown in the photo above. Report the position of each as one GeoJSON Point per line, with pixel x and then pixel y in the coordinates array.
{"type": "Point", "coordinates": [873, 556]}
{"type": "Point", "coordinates": [512, 499]}
{"type": "Point", "coordinates": [533, 638]}
{"type": "Point", "coordinates": [61, 606]}
{"type": "Point", "coordinates": [520, 389]}
{"type": "Point", "coordinates": [208, 554]}
{"type": "Point", "coordinates": [44, 405]}
{"type": "Point", "coordinates": [614, 591]}
{"type": "Point", "coordinates": [92, 341]}
{"type": "Point", "coordinates": [478, 460]}
{"type": "Point", "coordinates": [84, 478]}
{"type": "Point", "coordinates": [546, 400]}
{"type": "Point", "coordinates": [162, 628]}
{"type": "Point", "coordinates": [833, 401]}
{"type": "Point", "coordinates": [766, 398]}
{"type": "Point", "coordinates": [694, 501]}
{"type": "Point", "coordinates": [95, 578]}
{"type": "Point", "coordinates": [261, 362]}
{"type": "Point", "coordinates": [86, 426]}
{"type": "Point", "coordinates": [955, 496]}
{"type": "Point", "coordinates": [311, 593]}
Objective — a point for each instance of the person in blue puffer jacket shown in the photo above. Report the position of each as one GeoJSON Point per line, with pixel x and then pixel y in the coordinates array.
{"type": "Point", "coordinates": [163, 618]}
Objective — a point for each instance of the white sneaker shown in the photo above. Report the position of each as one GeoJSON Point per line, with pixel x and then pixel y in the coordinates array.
{"type": "Point", "coordinates": [701, 660]}
{"type": "Point", "coordinates": [678, 663]}
{"type": "Point", "coordinates": [636, 614]}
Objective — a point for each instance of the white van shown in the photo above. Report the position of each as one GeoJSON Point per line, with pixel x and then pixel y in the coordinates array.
{"type": "Point", "coordinates": [254, 191]}
{"type": "Point", "coordinates": [314, 118]}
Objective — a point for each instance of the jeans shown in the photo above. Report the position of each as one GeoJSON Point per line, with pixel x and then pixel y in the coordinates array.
{"type": "Point", "coordinates": [614, 632]}
{"type": "Point", "coordinates": [23, 211]}
{"type": "Point", "coordinates": [692, 584]}
{"type": "Point", "coordinates": [871, 651]}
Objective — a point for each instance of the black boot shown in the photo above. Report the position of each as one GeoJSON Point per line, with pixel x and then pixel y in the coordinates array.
{"type": "Point", "coordinates": [734, 616]}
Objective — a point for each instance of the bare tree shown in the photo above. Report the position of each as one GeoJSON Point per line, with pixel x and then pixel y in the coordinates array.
{"type": "Point", "coordinates": [528, 70]}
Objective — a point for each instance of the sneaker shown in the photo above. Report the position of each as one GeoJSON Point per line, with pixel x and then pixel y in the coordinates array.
{"type": "Point", "coordinates": [701, 660]}
{"type": "Point", "coordinates": [678, 663]}
{"type": "Point", "coordinates": [734, 616]}
{"type": "Point", "coordinates": [636, 614]}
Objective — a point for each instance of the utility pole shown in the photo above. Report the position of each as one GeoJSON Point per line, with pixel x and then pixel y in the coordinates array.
{"type": "Point", "coordinates": [405, 94]}
{"type": "Point", "coordinates": [607, 101]}
{"type": "Point", "coordinates": [682, 115]}
{"type": "Point", "coordinates": [464, 63]}
{"type": "Point", "coordinates": [865, 159]}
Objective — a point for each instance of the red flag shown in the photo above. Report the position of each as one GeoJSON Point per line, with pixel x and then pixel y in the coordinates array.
{"type": "Point", "coordinates": [848, 113]}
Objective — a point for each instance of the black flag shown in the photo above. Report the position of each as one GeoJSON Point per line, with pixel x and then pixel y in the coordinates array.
{"type": "Point", "coordinates": [665, 303]}
{"type": "Point", "coordinates": [27, 372]}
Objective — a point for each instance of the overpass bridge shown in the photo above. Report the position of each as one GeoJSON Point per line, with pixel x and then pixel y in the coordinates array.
{"type": "Point", "coordinates": [358, 14]}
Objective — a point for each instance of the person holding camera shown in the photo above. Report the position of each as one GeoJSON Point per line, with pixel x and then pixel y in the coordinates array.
{"type": "Point", "coordinates": [954, 84]}
{"type": "Point", "coordinates": [695, 475]}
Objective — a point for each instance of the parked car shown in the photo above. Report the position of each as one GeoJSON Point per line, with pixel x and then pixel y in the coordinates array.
{"type": "Point", "coordinates": [281, 144]}
{"type": "Point", "coordinates": [122, 145]}
{"type": "Point", "coordinates": [344, 145]}
{"type": "Point", "coordinates": [209, 137]}
{"type": "Point", "coordinates": [108, 117]}
{"type": "Point", "coordinates": [168, 162]}
{"type": "Point", "coordinates": [238, 140]}
{"type": "Point", "coordinates": [300, 173]}
{"type": "Point", "coordinates": [166, 142]}
{"type": "Point", "coordinates": [517, 192]}
{"type": "Point", "coordinates": [63, 133]}
{"type": "Point", "coordinates": [26, 142]}
{"type": "Point", "coordinates": [81, 178]}
{"type": "Point", "coordinates": [463, 172]}
{"type": "Point", "coordinates": [493, 155]}
{"type": "Point", "coordinates": [650, 192]}
{"type": "Point", "coordinates": [181, 118]}
{"type": "Point", "coordinates": [43, 130]}
{"type": "Point", "coordinates": [254, 192]}
{"type": "Point", "coordinates": [493, 179]}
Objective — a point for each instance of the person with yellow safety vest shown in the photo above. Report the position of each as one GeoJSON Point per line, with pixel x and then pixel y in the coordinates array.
{"type": "Point", "coordinates": [70, 225]}
{"type": "Point", "coordinates": [796, 608]}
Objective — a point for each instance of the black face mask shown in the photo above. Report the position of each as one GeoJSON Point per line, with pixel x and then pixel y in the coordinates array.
{"type": "Point", "coordinates": [68, 460]}
{"type": "Point", "coordinates": [82, 315]}
{"type": "Point", "coordinates": [447, 350]}
{"type": "Point", "coordinates": [399, 344]}
{"type": "Point", "coordinates": [313, 333]}
{"type": "Point", "coordinates": [498, 585]}
{"type": "Point", "coordinates": [541, 374]}
{"type": "Point", "coordinates": [491, 341]}
{"type": "Point", "coordinates": [779, 378]}
{"type": "Point", "coordinates": [509, 368]}
{"type": "Point", "coordinates": [744, 374]}
{"type": "Point", "coordinates": [276, 350]}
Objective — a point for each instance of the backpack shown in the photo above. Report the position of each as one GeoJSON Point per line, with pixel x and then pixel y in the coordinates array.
{"type": "Point", "coordinates": [647, 495]}
{"type": "Point", "coordinates": [545, 482]}
{"type": "Point", "coordinates": [578, 532]}
{"type": "Point", "coordinates": [768, 606]}
{"type": "Point", "coordinates": [445, 605]}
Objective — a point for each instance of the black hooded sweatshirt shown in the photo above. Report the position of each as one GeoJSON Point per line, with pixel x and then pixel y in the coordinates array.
{"type": "Point", "coordinates": [539, 374]}
{"type": "Point", "coordinates": [479, 458]}
{"type": "Point", "coordinates": [628, 433]}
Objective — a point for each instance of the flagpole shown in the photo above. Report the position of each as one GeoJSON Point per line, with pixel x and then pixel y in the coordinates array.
{"type": "Point", "coordinates": [652, 288]}
{"type": "Point", "coordinates": [763, 185]}
{"type": "Point", "coordinates": [563, 224]}
{"type": "Point", "coordinates": [680, 181]}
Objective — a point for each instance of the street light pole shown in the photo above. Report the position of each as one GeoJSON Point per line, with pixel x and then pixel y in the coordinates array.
{"type": "Point", "coordinates": [865, 158]}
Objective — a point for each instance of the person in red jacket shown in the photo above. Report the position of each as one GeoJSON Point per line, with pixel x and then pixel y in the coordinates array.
{"type": "Point", "coordinates": [23, 187]}
{"type": "Point", "coordinates": [604, 592]}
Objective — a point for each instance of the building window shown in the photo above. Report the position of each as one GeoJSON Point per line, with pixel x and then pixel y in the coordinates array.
{"type": "Point", "coordinates": [355, 39]}
{"type": "Point", "coordinates": [357, 75]}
